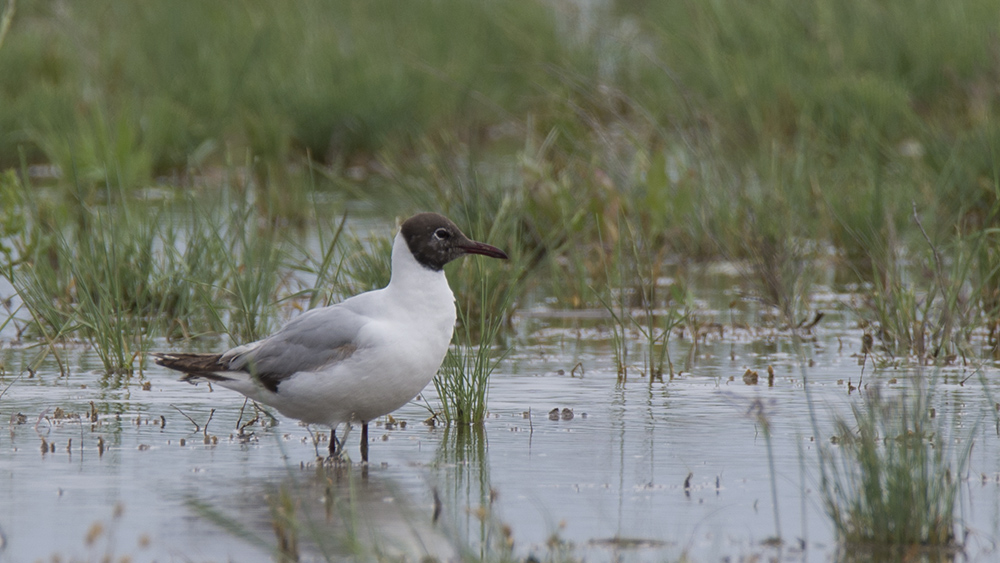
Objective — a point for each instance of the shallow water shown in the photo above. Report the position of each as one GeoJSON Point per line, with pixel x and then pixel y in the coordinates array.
{"type": "Point", "coordinates": [640, 472]}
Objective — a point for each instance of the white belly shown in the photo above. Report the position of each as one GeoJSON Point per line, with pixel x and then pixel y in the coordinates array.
{"type": "Point", "coordinates": [372, 382]}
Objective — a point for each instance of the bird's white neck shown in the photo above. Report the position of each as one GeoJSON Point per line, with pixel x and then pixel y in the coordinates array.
{"type": "Point", "coordinates": [411, 280]}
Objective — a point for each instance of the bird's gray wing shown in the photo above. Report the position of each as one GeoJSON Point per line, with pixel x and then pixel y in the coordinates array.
{"type": "Point", "coordinates": [308, 342]}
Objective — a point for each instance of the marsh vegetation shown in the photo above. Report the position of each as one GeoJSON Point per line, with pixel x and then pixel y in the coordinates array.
{"type": "Point", "coordinates": [194, 174]}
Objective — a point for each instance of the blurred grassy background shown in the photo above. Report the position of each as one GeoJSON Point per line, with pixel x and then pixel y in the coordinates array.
{"type": "Point", "coordinates": [836, 110]}
{"type": "Point", "coordinates": [775, 132]}
{"type": "Point", "coordinates": [333, 79]}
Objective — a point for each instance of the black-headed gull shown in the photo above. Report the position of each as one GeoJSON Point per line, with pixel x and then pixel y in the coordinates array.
{"type": "Point", "coordinates": [361, 358]}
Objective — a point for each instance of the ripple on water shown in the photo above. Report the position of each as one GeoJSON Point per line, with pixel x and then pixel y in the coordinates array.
{"type": "Point", "coordinates": [638, 470]}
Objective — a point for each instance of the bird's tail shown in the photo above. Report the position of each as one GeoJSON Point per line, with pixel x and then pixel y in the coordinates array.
{"type": "Point", "coordinates": [194, 366]}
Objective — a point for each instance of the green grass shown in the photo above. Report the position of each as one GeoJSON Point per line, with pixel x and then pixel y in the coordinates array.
{"type": "Point", "coordinates": [334, 79]}
{"type": "Point", "coordinates": [894, 483]}
{"type": "Point", "coordinates": [366, 263]}
{"type": "Point", "coordinates": [88, 271]}
{"type": "Point", "coordinates": [463, 382]}
{"type": "Point", "coordinates": [253, 259]}
{"type": "Point", "coordinates": [640, 308]}
{"type": "Point", "coordinates": [486, 290]}
{"type": "Point", "coordinates": [111, 268]}
{"type": "Point", "coordinates": [934, 304]}
{"type": "Point", "coordinates": [125, 271]}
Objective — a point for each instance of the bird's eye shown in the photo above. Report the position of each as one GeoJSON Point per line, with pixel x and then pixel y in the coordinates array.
{"type": "Point", "coordinates": [442, 234]}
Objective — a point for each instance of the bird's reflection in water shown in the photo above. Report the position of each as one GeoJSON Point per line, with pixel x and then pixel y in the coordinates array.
{"type": "Point", "coordinates": [333, 512]}
{"type": "Point", "coordinates": [465, 501]}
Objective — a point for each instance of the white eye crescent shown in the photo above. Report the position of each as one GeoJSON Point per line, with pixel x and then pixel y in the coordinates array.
{"type": "Point", "coordinates": [442, 234]}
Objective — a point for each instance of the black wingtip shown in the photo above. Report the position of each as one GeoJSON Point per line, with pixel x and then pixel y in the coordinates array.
{"type": "Point", "coordinates": [195, 364]}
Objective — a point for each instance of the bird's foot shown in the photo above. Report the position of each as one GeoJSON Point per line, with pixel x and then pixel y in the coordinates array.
{"type": "Point", "coordinates": [338, 456]}
{"type": "Point", "coordinates": [338, 460]}
{"type": "Point", "coordinates": [338, 453]}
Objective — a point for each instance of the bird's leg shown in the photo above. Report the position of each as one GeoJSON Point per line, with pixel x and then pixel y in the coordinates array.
{"type": "Point", "coordinates": [364, 442]}
{"type": "Point", "coordinates": [334, 444]}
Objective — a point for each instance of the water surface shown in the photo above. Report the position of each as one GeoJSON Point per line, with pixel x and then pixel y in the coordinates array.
{"type": "Point", "coordinates": [639, 472]}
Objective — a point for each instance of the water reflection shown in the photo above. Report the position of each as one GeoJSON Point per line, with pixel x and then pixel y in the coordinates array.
{"type": "Point", "coordinates": [330, 512]}
{"type": "Point", "coordinates": [335, 511]}
{"type": "Point", "coordinates": [461, 474]}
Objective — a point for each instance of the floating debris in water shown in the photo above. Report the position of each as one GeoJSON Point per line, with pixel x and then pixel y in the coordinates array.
{"type": "Point", "coordinates": [770, 376]}
{"type": "Point", "coordinates": [555, 414]}
{"type": "Point", "coordinates": [750, 377]}
{"type": "Point", "coordinates": [773, 542]}
{"type": "Point", "coordinates": [96, 531]}
{"type": "Point", "coordinates": [437, 505]}
{"type": "Point", "coordinates": [618, 542]}
{"type": "Point", "coordinates": [100, 446]}
{"type": "Point", "coordinates": [866, 343]}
